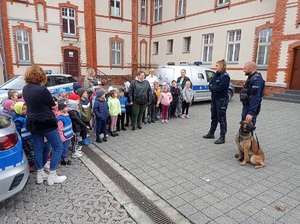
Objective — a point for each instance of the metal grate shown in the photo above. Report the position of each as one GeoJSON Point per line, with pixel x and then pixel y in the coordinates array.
{"type": "Point", "coordinates": [150, 209]}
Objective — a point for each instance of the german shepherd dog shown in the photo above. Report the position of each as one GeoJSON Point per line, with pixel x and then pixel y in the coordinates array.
{"type": "Point", "coordinates": [248, 148]}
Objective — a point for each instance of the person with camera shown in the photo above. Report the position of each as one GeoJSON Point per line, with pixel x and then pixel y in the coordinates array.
{"type": "Point", "coordinates": [252, 93]}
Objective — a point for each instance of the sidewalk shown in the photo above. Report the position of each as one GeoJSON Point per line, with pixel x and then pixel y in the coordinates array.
{"type": "Point", "coordinates": [187, 177]}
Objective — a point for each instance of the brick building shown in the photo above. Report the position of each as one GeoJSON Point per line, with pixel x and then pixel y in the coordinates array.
{"type": "Point", "coordinates": [120, 37]}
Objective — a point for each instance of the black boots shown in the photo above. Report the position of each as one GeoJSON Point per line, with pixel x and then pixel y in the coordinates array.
{"type": "Point", "coordinates": [221, 140]}
{"type": "Point", "coordinates": [209, 135]}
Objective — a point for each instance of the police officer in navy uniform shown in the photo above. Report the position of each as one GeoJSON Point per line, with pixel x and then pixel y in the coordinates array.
{"type": "Point", "coordinates": [219, 94]}
{"type": "Point", "coordinates": [252, 93]}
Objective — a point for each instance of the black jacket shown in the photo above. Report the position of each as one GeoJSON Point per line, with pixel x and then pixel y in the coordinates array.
{"type": "Point", "coordinates": [139, 92]}
{"type": "Point", "coordinates": [185, 79]}
{"type": "Point", "coordinates": [175, 93]}
{"type": "Point", "coordinates": [219, 85]}
{"type": "Point", "coordinates": [77, 123]}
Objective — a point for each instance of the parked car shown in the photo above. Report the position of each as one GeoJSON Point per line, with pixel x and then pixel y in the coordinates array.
{"type": "Point", "coordinates": [14, 168]}
{"type": "Point", "coordinates": [200, 77]}
{"type": "Point", "coordinates": [55, 82]}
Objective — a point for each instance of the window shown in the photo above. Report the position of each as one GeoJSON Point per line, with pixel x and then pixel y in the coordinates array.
{"type": "Point", "coordinates": [263, 51]}
{"type": "Point", "coordinates": [155, 47]}
{"type": "Point", "coordinates": [187, 44]}
{"type": "Point", "coordinates": [208, 43]}
{"type": "Point", "coordinates": [169, 46]}
{"type": "Point", "coordinates": [233, 45]}
{"type": "Point", "coordinates": [23, 46]}
{"type": "Point", "coordinates": [181, 7]}
{"type": "Point", "coordinates": [143, 10]}
{"type": "Point", "coordinates": [157, 11]}
{"type": "Point", "coordinates": [116, 53]}
{"type": "Point", "coordinates": [222, 2]}
{"type": "Point", "coordinates": [115, 8]}
{"type": "Point", "coordinates": [209, 75]}
{"type": "Point", "coordinates": [68, 21]}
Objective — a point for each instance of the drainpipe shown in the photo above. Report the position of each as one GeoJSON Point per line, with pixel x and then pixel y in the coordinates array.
{"type": "Point", "coordinates": [3, 46]}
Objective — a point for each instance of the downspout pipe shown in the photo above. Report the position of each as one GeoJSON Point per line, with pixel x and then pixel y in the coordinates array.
{"type": "Point", "coordinates": [3, 45]}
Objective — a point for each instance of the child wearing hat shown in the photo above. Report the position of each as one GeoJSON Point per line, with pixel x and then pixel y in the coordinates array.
{"type": "Point", "coordinates": [101, 112]}
{"type": "Point", "coordinates": [20, 122]}
{"type": "Point", "coordinates": [65, 130]}
{"type": "Point", "coordinates": [85, 107]}
{"type": "Point", "coordinates": [61, 94]}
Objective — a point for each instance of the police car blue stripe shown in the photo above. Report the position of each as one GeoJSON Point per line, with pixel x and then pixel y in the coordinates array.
{"type": "Point", "coordinates": [12, 156]}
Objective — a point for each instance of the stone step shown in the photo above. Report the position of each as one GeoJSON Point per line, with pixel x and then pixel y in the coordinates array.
{"type": "Point", "coordinates": [282, 99]}
{"type": "Point", "coordinates": [287, 96]}
{"type": "Point", "coordinates": [291, 91]}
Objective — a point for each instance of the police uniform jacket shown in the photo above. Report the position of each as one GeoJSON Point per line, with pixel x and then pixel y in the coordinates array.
{"type": "Point", "coordinates": [219, 85]}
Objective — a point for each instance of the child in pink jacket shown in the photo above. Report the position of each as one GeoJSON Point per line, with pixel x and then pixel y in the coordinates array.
{"type": "Point", "coordinates": [165, 99]}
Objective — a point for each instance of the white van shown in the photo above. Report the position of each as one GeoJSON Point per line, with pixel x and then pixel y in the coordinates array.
{"type": "Point", "coordinates": [200, 77]}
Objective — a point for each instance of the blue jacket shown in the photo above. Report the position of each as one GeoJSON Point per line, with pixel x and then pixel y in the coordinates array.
{"type": "Point", "coordinates": [123, 102]}
{"type": "Point", "coordinates": [219, 85]}
{"type": "Point", "coordinates": [68, 130]}
{"type": "Point", "coordinates": [20, 122]}
{"type": "Point", "coordinates": [100, 109]}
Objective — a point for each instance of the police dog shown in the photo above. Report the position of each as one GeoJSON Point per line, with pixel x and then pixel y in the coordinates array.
{"type": "Point", "coordinates": [248, 148]}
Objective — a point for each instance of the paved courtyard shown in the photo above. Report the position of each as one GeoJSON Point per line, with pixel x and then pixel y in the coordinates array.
{"type": "Point", "coordinates": [188, 177]}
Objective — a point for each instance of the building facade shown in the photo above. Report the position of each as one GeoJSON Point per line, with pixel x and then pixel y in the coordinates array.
{"type": "Point", "coordinates": [120, 37]}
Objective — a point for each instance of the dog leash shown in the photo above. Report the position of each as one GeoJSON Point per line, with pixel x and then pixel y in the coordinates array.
{"type": "Point", "coordinates": [257, 142]}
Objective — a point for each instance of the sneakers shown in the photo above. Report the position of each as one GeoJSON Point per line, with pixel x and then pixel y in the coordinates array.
{"type": "Point", "coordinates": [98, 140]}
{"type": "Point", "coordinates": [65, 161]}
{"type": "Point", "coordinates": [47, 166]}
{"type": "Point", "coordinates": [139, 126]}
{"type": "Point", "coordinates": [162, 121]}
{"type": "Point", "coordinates": [104, 139]}
{"type": "Point", "coordinates": [123, 128]}
{"type": "Point", "coordinates": [166, 121]}
{"type": "Point", "coordinates": [41, 176]}
{"type": "Point", "coordinates": [78, 148]}
{"type": "Point", "coordinates": [76, 154]}
{"type": "Point", "coordinates": [85, 142]}
{"type": "Point", "coordinates": [187, 116]}
{"type": "Point", "coordinates": [53, 178]}
{"type": "Point", "coordinates": [182, 116]}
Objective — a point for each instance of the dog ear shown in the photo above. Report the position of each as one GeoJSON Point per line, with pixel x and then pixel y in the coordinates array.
{"type": "Point", "coordinates": [241, 122]}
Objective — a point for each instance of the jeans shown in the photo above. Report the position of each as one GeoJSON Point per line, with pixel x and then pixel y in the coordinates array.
{"type": "Point", "coordinates": [137, 113]}
{"type": "Point", "coordinates": [41, 152]}
{"type": "Point", "coordinates": [66, 145]}
{"type": "Point", "coordinates": [100, 127]}
{"type": "Point", "coordinates": [218, 114]}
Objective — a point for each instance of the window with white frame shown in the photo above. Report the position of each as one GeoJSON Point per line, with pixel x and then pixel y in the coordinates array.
{"type": "Point", "coordinates": [233, 45]}
{"type": "Point", "coordinates": [143, 11]}
{"type": "Point", "coordinates": [23, 46]}
{"type": "Point", "coordinates": [169, 46]}
{"type": "Point", "coordinates": [207, 49]}
{"type": "Point", "coordinates": [157, 11]}
{"type": "Point", "coordinates": [68, 21]}
{"type": "Point", "coordinates": [116, 53]}
{"type": "Point", "coordinates": [222, 2]}
{"type": "Point", "coordinates": [115, 7]}
{"type": "Point", "coordinates": [155, 47]}
{"type": "Point", "coordinates": [180, 7]}
{"type": "Point", "coordinates": [186, 44]}
{"type": "Point", "coordinates": [263, 51]}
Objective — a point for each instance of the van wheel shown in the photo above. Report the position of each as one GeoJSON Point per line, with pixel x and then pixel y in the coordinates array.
{"type": "Point", "coordinates": [230, 94]}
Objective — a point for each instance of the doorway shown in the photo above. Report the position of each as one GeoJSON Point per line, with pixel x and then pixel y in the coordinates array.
{"type": "Point", "coordinates": [71, 65]}
{"type": "Point", "coordinates": [295, 76]}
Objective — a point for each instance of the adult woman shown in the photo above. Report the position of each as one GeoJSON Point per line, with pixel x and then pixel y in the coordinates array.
{"type": "Point", "coordinates": [42, 124]}
{"type": "Point", "coordinates": [139, 97]}
{"type": "Point", "coordinates": [183, 78]}
{"type": "Point", "coordinates": [90, 79]}
{"type": "Point", "coordinates": [219, 101]}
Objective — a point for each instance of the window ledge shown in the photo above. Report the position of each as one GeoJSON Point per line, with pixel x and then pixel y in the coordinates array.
{"type": "Point", "coordinates": [232, 62]}
{"type": "Point", "coordinates": [115, 17]}
{"type": "Point", "coordinates": [169, 53]}
{"type": "Point", "coordinates": [262, 67]}
{"type": "Point", "coordinates": [180, 16]}
{"type": "Point", "coordinates": [157, 23]}
{"type": "Point", "coordinates": [70, 36]}
{"type": "Point", "coordinates": [24, 63]}
{"type": "Point", "coordinates": [222, 6]}
{"type": "Point", "coordinates": [155, 54]}
{"type": "Point", "coordinates": [206, 63]}
{"type": "Point", "coordinates": [186, 52]}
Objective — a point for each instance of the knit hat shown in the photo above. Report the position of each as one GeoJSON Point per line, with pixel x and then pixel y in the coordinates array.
{"type": "Point", "coordinates": [72, 104]}
{"type": "Point", "coordinates": [99, 93]}
{"type": "Point", "coordinates": [62, 104]}
{"type": "Point", "coordinates": [18, 107]}
{"type": "Point", "coordinates": [76, 86]}
{"type": "Point", "coordinates": [121, 90]}
{"type": "Point", "coordinates": [110, 89]}
{"type": "Point", "coordinates": [7, 104]}
{"type": "Point", "coordinates": [81, 91]}
{"type": "Point", "coordinates": [74, 96]}
{"type": "Point", "coordinates": [60, 91]}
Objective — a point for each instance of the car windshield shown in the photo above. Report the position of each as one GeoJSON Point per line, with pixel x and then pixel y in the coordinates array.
{"type": "Point", "coordinates": [16, 83]}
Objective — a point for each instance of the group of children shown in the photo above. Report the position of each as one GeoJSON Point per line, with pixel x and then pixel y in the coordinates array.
{"type": "Point", "coordinates": [80, 111]}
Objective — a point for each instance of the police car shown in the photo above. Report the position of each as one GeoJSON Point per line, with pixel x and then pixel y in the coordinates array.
{"type": "Point", "coordinates": [14, 168]}
{"type": "Point", "coordinates": [54, 83]}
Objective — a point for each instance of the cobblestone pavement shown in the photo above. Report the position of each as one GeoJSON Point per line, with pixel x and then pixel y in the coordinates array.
{"type": "Point", "coordinates": [80, 199]}
{"type": "Point", "coordinates": [204, 181]}
{"type": "Point", "coordinates": [199, 179]}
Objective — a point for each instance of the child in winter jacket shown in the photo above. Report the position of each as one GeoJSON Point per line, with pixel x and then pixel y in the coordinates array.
{"type": "Point", "coordinates": [65, 130]}
{"type": "Point", "coordinates": [175, 91]}
{"type": "Point", "coordinates": [187, 97]}
{"type": "Point", "coordinates": [101, 112]}
{"type": "Point", "coordinates": [114, 108]}
{"type": "Point", "coordinates": [165, 100]}
{"type": "Point", "coordinates": [121, 118]}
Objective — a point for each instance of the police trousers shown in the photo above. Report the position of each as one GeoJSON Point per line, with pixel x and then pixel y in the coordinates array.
{"type": "Point", "coordinates": [218, 115]}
